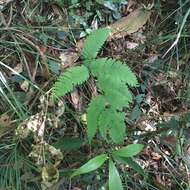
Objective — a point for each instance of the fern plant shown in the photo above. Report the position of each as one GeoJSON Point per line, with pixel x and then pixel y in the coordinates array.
{"type": "Point", "coordinates": [113, 79]}
{"type": "Point", "coordinates": [70, 78]}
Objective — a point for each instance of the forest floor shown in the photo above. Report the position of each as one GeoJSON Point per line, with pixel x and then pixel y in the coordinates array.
{"type": "Point", "coordinates": [40, 39]}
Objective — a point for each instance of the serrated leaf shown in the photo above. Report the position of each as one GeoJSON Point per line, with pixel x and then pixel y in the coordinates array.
{"type": "Point", "coordinates": [104, 124]}
{"type": "Point", "coordinates": [91, 165]}
{"type": "Point", "coordinates": [115, 88]}
{"type": "Point", "coordinates": [107, 68]}
{"type": "Point", "coordinates": [129, 150]}
{"type": "Point", "coordinates": [117, 133]}
{"type": "Point", "coordinates": [115, 93]}
{"type": "Point", "coordinates": [94, 43]}
{"type": "Point", "coordinates": [112, 122]}
{"type": "Point", "coordinates": [121, 72]}
{"type": "Point", "coordinates": [94, 111]}
{"type": "Point", "coordinates": [114, 178]}
{"type": "Point", "coordinates": [117, 96]}
{"type": "Point", "coordinates": [70, 78]}
{"type": "Point", "coordinates": [117, 128]}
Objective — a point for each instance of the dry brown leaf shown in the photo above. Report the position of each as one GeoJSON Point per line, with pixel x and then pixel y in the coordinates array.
{"type": "Point", "coordinates": [60, 108]}
{"type": "Point", "coordinates": [130, 24]}
{"type": "Point", "coordinates": [5, 1]}
{"type": "Point", "coordinates": [34, 124]}
{"type": "Point", "coordinates": [171, 139]}
{"type": "Point", "coordinates": [76, 100]}
{"type": "Point", "coordinates": [18, 68]}
{"type": "Point", "coordinates": [68, 58]}
{"type": "Point", "coordinates": [42, 152]}
{"type": "Point", "coordinates": [24, 86]}
{"type": "Point", "coordinates": [5, 119]}
{"type": "Point", "coordinates": [156, 156]}
{"type": "Point", "coordinates": [50, 175]}
{"type": "Point", "coordinates": [79, 44]}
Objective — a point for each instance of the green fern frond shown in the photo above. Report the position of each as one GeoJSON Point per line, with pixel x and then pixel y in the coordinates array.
{"type": "Point", "coordinates": [113, 79]}
{"type": "Point", "coordinates": [118, 97]}
{"type": "Point", "coordinates": [70, 78]}
{"type": "Point", "coordinates": [96, 107]}
{"type": "Point", "coordinates": [109, 121]}
{"type": "Point", "coordinates": [96, 65]}
{"type": "Point", "coordinates": [94, 43]}
{"type": "Point", "coordinates": [120, 71]}
{"type": "Point", "coordinates": [113, 69]}
{"type": "Point", "coordinates": [112, 122]}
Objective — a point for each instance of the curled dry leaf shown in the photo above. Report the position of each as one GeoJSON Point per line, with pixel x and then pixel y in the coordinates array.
{"type": "Point", "coordinates": [22, 131]}
{"type": "Point", "coordinates": [79, 44]}
{"type": "Point", "coordinates": [43, 152]}
{"type": "Point", "coordinates": [24, 86]}
{"type": "Point", "coordinates": [5, 119]}
{"type": "Point", "coordinates": [56, 155]}
{"type": "Point", "coordinates": [130, 24]}
{"type": "Point", "coordinates": [68, 58]}
{"type": "Point", "coordinates": [50, 175]}
{"type": "Point", "coordinates": [34, 124]}
{"type": "Point", "coordinates": [76, 100]}
{"type": "Point", "coordinates": [18, 68]}
{"type": "Point", "coordinates": [37, 154]}
{"type": "Point", "coordinates": [60, 108]}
